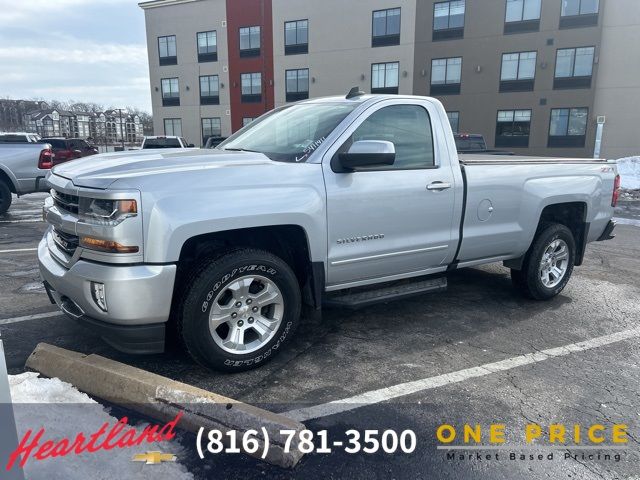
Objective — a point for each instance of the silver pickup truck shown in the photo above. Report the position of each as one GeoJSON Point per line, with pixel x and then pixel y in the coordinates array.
{"type": "Point", "coordinates": [23, 168]}
{"type": "Point", "coordinates": [338, 201]}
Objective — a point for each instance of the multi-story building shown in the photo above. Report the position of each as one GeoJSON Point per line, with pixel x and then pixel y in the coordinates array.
{"type": "Point", "coordinates": [542, 77]}
{"type": "Point", "coordinates": [12, 113]}
{"type": "Point", "coordinates": [108, 127]}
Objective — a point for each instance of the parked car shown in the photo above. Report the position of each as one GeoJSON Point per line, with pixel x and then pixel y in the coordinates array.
{"type": "Point", "coordinates": [66, 149]}
{"type": "Point", "coordinates": [341, 201]}
{"type": "Point", "coordinates": [475, 143]}
{"type": "Point", "coordinates": [19, 137]}
{"type": "Point", "coordinates": [23, 167]}
{"type": "Point", "coordinates": [165, 142]}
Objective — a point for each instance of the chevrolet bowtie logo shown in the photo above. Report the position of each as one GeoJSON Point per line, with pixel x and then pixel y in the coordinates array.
{"type": "Point", "coordinates": [154, 458]}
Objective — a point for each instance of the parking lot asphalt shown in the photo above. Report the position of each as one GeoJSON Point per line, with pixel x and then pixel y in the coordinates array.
{"type": "Point", "coordinates": [479, 320]}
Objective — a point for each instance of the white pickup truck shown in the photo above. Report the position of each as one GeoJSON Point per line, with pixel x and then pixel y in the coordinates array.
{"type": "Point", "coordinates": [164, 142]}
{"type": "Point", "coordinates": [23, 168]}
{"type": "Point", "coordinates": [341, 201]}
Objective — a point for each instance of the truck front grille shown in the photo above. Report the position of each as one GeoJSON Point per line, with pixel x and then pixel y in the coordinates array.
{"type": "Point", "coordinates": [65, 201]}
{"type": "Point", "coordinates": [65, 241]}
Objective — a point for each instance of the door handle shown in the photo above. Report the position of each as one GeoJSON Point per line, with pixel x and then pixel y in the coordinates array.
{"type": "Point", "coordinates": [438, 186]}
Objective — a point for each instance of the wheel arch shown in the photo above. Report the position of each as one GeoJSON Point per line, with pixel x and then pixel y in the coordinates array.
{"type": "Point", "coordinates": [6, 178]}
{"type": "Point", "coordinates": [573, 215]}
{"type": "Point", "coordinates": [288, 242]}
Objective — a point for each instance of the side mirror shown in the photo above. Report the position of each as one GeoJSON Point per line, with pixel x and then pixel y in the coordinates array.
{"type": "Point", "coordinates": [190, 145]}
{"type": "Point", "coordinates": [368, 153]}
{"type": "Point", "coordinates": [77, 152]}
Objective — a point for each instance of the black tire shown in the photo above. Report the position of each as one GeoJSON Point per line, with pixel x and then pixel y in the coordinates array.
{"type": "Point", "coordinates": [528, 280]}
{"type": "Point", "coordinates": [5, 197]}
{"type": "Point", "coordinates": [200, 291]}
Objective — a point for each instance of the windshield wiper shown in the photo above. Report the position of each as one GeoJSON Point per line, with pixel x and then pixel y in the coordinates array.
{"type": "Point", "coordinates": [240, 150]}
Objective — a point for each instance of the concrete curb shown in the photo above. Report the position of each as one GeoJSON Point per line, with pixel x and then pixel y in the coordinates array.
{"type": "Point", "coordinates": [162, 398]}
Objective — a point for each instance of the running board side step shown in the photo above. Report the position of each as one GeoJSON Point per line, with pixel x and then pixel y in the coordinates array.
{"type": "Point", "coordinates": [359, 298]}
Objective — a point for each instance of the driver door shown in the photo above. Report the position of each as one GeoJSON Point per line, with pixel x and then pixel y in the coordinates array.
{"type": "Point", "coordinates": [393, 221]}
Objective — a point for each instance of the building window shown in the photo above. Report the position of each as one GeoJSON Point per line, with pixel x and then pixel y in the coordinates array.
{"type": "Point", "coordinates": [209, 90]}
{"type": "Point", "coordinates": [574, 67]}
{"type": "Point", "coordinates": [384, 77]}
{"type": "Point", "coordinates": [522, 16]}
{"type": "Point", "coordinates": [297, 84]}
{"type": "Point", "coordinates": [513, 127]}
{"type": "Point", "coordinates": [296, 37]}
{"type": "Point", "coordinates": [568, 127]}
{"type": "Point", "coordinates": [247, 120]}
{"type": "Point", "coordinates": [207, 46]}
{"type": "Point", "coordinates": [448, 20]}
{"type": "Point", "coordinates": [250, 41]}
{"type": "Point", "coordinates": [170, 92]}
{"type": "Point", "coordinates": [251, 87]}
{"type": "Point", "coordinates": [211, 127]}
{"type": "Point", "coordinates": [386, 27]}
{"type": "Point", "coordinates": [445, 76]}
{"type": "Point", "coordinates": [454, 121]}
{"type": "Point", "coordinates": [167, 50]}
{"type": "Point", "coordinates": [579, 13]}
{"type": "Point", "coordinates": [173, 127]}
{"type": "Point", "coordinates": [518, 72]}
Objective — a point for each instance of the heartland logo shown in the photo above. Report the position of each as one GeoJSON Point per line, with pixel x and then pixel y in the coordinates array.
{"type": "Point", "coordinates": [117, 437]}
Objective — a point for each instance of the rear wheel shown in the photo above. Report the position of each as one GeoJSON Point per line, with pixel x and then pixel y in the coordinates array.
{"type": "Point", "coordinates": [239, 310]}
{"type": "Point", "coordinates": [548, 265]}
{"type": "Point", "coordinates": [5, 197]}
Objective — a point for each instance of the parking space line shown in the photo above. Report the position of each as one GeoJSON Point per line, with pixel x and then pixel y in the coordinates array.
{"type": "Point", "coordinates": [37, 316]}
{"type": "Point", "coordinates": [28, 220]}
{"type": "Point", "coordinates": [32, 211]}
{"type": "Point", "coordinates": [15, 250]}
{"type": "Point", "coordinates": [403, 389]}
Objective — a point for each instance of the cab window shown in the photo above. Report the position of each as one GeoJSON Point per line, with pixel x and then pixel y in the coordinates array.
{"type": "Point", "coordinates": [408, 127]}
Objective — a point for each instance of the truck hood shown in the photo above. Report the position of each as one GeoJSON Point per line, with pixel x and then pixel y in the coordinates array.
{"type": "Point", "coordinates": [101, 171]}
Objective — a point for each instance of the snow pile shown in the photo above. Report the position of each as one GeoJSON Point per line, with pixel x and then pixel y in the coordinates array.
{"type": "Point", "coordinates": [629, 170]}
{"type": "Point", "coordinates": [70, 412]}
{"type": "Point", "coordinates": [28, 388]}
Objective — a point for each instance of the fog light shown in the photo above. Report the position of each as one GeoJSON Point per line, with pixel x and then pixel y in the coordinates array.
{"type": "Point", "coordinates": [98, 294]}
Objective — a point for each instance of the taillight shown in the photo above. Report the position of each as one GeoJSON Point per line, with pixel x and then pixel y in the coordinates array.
{"type": "Point", "coordinates": [616, 191]}
{"type": "Point", "coordinates": [45, 161]}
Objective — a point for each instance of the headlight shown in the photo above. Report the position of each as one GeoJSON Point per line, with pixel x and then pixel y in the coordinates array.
{"type": "Point", "coordinates": [98, 211]}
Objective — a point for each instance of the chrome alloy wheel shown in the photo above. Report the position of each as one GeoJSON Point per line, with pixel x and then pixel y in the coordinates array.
{"type": "Point", "coordinates": [554, 263]}
{"type": "Point", "coordinates": [246, 314]}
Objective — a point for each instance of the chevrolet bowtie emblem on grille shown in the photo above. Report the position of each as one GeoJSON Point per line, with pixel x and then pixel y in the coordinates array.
{"type": "Point", "coordinates": [154, 458]}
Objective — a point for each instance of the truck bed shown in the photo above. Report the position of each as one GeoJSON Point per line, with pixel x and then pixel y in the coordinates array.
{"type": "Point", "coordinates": [480, 159]}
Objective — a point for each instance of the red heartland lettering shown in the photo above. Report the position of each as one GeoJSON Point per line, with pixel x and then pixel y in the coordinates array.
{"type": "Point", "coordinates": [64, 447]}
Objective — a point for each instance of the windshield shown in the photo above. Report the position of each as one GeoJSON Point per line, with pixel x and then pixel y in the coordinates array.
{"type": "Point", "coordinates": [290, 134]}
{"type": "Point", "coordinates": [161, 143]}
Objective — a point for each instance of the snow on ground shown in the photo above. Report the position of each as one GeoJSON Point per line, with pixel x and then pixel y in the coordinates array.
{"type": "Point", "coordinates": [629, 170]}
{"type": "Point", "coordinates": [69, 412]}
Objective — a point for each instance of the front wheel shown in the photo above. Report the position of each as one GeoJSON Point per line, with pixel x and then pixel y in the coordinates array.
{"type": "Point", "coordinates": [239, 310]}
{"type": "Point", "coordinates": [548, 265]}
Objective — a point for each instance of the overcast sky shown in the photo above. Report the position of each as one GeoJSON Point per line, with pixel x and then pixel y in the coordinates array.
{"type": "Point", "coordinates": [85, 50]}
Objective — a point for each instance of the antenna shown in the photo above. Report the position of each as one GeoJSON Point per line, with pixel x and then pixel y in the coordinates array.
{"type": "Point", "coordinates": [354, 92]}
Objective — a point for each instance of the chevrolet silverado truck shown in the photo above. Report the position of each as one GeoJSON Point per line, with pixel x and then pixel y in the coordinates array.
{"type": "Point", "coordinates": [341, 201]}
{"type": "Point", "coordinates": [23, 169]}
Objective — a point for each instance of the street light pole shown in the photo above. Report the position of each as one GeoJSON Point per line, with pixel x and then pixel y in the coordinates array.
{"type": "Point", "coordinates": [121, 134]}
{"type": "Point", "coordinates": [121, 129]}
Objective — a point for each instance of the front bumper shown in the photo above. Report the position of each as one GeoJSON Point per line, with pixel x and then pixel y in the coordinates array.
{"type": "Point", "coordinates": [138, 298]}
